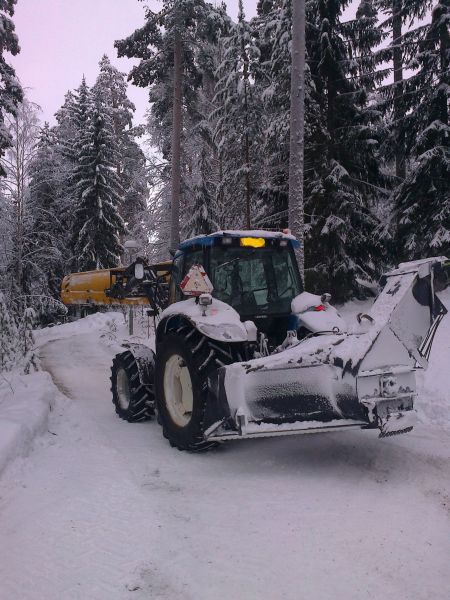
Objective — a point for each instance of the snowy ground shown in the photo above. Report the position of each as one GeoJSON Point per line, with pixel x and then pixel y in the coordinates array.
{"type": "Point", "coordinates": [105, 510]}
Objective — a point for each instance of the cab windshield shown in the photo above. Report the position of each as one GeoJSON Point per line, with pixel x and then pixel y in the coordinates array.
{"type": "Point", "coordinates": [255, 280]}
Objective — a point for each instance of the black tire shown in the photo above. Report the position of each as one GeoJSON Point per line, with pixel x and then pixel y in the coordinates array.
{"type": "Point", "coordinates": [140, 402]}
{"type": "Point", "coordinates": [201, 356]}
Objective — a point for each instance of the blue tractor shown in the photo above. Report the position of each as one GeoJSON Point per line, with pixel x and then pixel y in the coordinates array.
{"type": "Point", "coordinates": [241, 350]}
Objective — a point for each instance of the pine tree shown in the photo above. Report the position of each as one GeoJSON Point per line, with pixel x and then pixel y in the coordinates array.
{"type": "Point", "coordinates": [403, 24]}
{"type": "Point", "coordinates": [134, 182]}
{"type": "Point", "coordinates": [196, 25]}
{"type": "Point", "coordinates": [343, 247]}
{"type": "Point", "coordinates": [238, 117]}
{"type": "Point", "coordinates": [66, 133]}
{"type": "Point", "coordinates": [48, 226]}
{"type": "Point", "coordinates": [11, 93]}
{"type": "Point", "coordinates": [112, 88]}
{"type": "Point", "coordinates": [272, 33]}
{"type": "Point", "coordinates": [98, 224]}
{"type": "Point", "coordinates": [72, 121]}
{"type": "Point", "coordinates": [164, 47]}
{"type": "Point", "coordinates": [203, 219]}
{"type": "Point", "coordinates": [423, 200]}
{"type": "Point", "coordinates": [200, 149]}
{"type": "Point", "coordinates": [272, 30]}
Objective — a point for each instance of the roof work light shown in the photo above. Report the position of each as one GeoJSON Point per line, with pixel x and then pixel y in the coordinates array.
{"type": "Point", "coordinates": [252, 242]}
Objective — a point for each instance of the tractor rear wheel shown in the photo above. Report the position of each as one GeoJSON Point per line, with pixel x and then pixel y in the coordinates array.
{"type": "Point", "coordinates": [183, 364]}
{"type": "Point", "coordinates": [133, 401]}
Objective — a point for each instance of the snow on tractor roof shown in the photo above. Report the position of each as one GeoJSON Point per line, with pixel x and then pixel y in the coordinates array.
{"type": "Point", "coordinates": [256, 233]}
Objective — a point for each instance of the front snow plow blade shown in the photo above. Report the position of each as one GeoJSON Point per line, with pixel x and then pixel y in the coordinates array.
{"type": "Point", "coordinates": [271, 399]}
{"type": "Point", "coordinates": [363, 379]}
{"type": "Point", "coordinates": [278, 401]}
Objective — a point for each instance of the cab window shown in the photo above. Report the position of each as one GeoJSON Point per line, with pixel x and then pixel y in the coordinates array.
{"type": "Point", "coordinates": [195, 257]}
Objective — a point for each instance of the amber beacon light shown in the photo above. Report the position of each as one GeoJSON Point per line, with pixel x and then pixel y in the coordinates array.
{"type": "Point", "coordinates": [251, 242]}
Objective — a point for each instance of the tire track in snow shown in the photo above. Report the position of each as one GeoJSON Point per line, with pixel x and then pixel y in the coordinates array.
{"type": "Point", "coordinates": [82, 527]}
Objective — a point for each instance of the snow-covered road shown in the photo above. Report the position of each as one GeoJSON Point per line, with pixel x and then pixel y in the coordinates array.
{"type": "Point", "coordinates": [107, 510]}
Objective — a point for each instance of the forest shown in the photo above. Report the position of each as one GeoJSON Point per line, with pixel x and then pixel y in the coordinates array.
{"type": "Point", "coordinates": [377, 147]}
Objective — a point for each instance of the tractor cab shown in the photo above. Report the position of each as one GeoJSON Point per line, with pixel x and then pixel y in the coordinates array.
{"type": "Point", "coordinates": [254, 272]}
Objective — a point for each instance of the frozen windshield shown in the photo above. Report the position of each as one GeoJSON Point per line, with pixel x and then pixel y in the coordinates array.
{"type": "Point", "coordinates": [254, 281]}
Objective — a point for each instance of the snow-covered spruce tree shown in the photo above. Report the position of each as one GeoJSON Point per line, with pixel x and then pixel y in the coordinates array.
{"type": "Point", "coordinates": [48, 243]}
{"type": "Point", "coordinates": [11, 93]}
{"type": "Point", "coordinates": [98, 224]}
{"type": "Point", "coordinates": [343, 246]}
{"type": "Point", "coordinates": [65, 133]}
{"type": "Point", "coordinates": [9, 337]}
{"type": "Point", "coordinates": [203, 219]}
{"type": "Point", "coordinates": [134, 182]}
{"type": "Point", "coordinates": [203, 163]}
{"type": "Point", "coordinates": [112, 87]}
{"type": "Point", "coordinates": [238, 115]}
{"type": "Point", "coordinates": [423, 200]}
{"type": "Point", "coordinates": [403, 24]}
{"type": "Point", "coordinates": [272, 31]}
{"type": "Point", "coordinates": [198, 23]}
{"type": "Point", "coordinates": [72, 121]}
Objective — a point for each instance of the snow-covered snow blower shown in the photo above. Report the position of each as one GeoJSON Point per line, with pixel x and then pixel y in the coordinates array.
{"type": "Point", "coordinates": [249, 353]}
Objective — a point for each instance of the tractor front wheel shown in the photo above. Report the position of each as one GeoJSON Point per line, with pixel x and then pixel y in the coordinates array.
{"type": "Point", "coordinates": [183, 364]}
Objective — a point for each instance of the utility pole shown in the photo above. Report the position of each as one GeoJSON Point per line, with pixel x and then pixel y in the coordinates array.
{"type": "Point", "coordinates": [177, 126]}
{"type": "Point", "coordinates": [297, 132]}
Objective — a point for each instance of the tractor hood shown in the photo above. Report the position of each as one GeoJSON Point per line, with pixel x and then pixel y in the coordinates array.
{"type": "Point", "coordinates": [219, 321]}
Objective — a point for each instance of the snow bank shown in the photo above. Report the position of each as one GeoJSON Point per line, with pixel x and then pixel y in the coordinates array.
{"type": "Point", "coordinates": [27, 400]}
{"type": "Point", "coordinates": [109, 328]}
{"type": "Point", "coordinates": [433, 402]}
{"type": "Point", "coordinates": [95, 322]}
{"type": "Point", "coordinates": [25, 405]}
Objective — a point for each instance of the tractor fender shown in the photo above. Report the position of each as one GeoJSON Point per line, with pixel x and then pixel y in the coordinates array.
{"type": "Point", "coordinates": [219, 321]}
{"type": "Point", "coordinates": [145, 361]}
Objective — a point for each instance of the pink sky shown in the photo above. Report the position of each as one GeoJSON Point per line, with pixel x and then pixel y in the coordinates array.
{"type": "Point", "coordinates": [63, 39]}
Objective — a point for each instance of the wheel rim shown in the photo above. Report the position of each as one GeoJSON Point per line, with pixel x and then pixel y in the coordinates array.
{"type": "Point", "coordinates": [178, 390]}
{"type": "Point", "coordinates": [123, 389]}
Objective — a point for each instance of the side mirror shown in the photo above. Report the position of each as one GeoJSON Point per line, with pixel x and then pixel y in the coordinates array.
{"type": "Point", "coordinates": [139, 271]}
